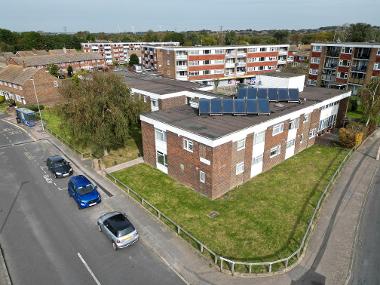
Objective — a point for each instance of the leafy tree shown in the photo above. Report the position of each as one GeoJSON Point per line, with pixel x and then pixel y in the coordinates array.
{"type": "Point", "coordinates": [70, 71]}
{"type": "Point", "coordinates": [360, 32]}
{"type": "Point", "coordinates": [53, 69]}
{"type": "Point", "coordinates": [230, 38]}
{"type": "Point", "coordinates": [133, 59]}
{"type": "Point", "coordinates": [100, 112]}
{"type": "Point", "coordinates": [281, 36]}
{"type": "Point", "coordinates": [174, 37]}
{"type": "Point", "coordinates": [150, 36]}
{"type": "Point", "coordinates": [370, 100]}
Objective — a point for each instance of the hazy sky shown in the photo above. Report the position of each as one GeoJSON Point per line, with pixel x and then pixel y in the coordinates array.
{"type": "Point", "coordinates": [179, 15]}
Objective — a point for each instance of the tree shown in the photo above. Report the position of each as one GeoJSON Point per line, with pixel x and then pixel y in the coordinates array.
{"type": "Point", "coordinates": [133, 59]}
{"type": "Point", "coordinates": [150, 36]}
{"type": "Point", "coordinates": [53, 69]}
{"type": "Point", "coordinates": [230, 38]}
{"type": "Point", "coordinates": [281, 36]}
{"type": "Point", "coordinates": [370, 99]}
{"type": "Point", "coordinates": [360, 32]}
{"type": "Point", "coordinates": [69, 71]}
{"type": "Point", "coordinates": [100, 112]}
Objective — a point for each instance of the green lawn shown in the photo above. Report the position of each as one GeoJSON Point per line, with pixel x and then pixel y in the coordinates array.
{"type": "Point", "coordinates": [130, 151]}
{"type": "Point", "coordinates": [264, 219]}
{"type": "Point", "coordinates": [3, 107]}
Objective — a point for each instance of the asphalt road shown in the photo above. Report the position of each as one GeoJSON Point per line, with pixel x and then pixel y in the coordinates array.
{"type": "Point", "coordinates": [366, 265]}
{"type": "Point", "coordinates": [46, 239]}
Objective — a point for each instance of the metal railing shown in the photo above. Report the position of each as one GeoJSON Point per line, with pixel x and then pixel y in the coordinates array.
{"type": "Point", "coordinates": [223, 262]}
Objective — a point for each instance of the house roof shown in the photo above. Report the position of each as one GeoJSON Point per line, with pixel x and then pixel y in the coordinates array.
{"type": "Point", "coordinates": [40, 60]}
{"type": "Point", "coordinates": [31, 52]}
{"type": "Point", "coordinates": [17, 74]}
{"type": "Point", "coordinates": [214, 127]}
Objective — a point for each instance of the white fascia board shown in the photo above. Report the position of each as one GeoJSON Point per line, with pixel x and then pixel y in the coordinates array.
{"type": "Point", "coordinates": [220, 47]}
{"type": "Point", "coordinates": [357, 45]}
{"type": "Point", "coordinates": [244, 132]}
{"type": "Point", "coordinates": [171, 95]}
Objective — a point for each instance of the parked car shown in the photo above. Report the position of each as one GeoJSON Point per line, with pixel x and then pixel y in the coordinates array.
{"type": "Point", "coordinates": [117, 227]}
{"type": "Point", "coordinates": [84, 193]}
{"type": "Point", "coordinates": [59, 166]}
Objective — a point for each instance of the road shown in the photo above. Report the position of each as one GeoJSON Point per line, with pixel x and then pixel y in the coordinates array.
{"type": "Point", "coordinates": [47, 240]}
{"type": "Point", "coordinates": [367, 252]}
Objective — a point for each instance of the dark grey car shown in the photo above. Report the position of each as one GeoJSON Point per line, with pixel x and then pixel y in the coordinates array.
{"type": "Point", "coordinates": [117, 227]}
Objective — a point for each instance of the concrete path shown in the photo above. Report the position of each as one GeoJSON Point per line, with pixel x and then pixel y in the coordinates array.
{"type": "Point", "coordinates": [328, 256]}
{"type": "Point", "coordinates": [124, 165]}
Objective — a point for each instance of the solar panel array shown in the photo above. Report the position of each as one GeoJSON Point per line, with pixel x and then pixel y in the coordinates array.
{"type": "Point", "coordinates": [219, 106]}
{"type": "Point", "coordinates": [271, 94]}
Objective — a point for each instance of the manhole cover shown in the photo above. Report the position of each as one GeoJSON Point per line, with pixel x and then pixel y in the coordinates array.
{"type": "Point", "coordinates": [213, 214]}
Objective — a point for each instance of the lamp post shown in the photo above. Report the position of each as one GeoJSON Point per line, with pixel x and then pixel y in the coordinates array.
{"type": "Point", "coordinates": [38, 104]}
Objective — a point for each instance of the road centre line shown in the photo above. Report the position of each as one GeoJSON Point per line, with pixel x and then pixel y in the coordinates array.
{"type": "Point", "coordinates": [88, 269]}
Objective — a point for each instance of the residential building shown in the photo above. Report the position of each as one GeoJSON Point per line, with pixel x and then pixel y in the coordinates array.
{"type": "Point", "coordinates": [164, 93]}
{"type": "Point", "coordinates": [24, 84]}
{"type": "Point", "coordinates": [214, 154]}
{"type": "Point", "coordinates": [227, 64]}
{"type": "Point", "coordinates": [120, 52]}
{"type": "Point", "coordinates": [281, 80]}
{"type": "Point", "coordinates": [343, 65]}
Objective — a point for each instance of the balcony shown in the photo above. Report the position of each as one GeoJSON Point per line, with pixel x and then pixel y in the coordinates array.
{"type": "Point", "coordinates": [231, 54]}
{"type": "Point", "coordinates": [283, 52]}
{"type": "Point", "coordinates": [359, 69]}
{"type": "Point", "coordinates": [180, 56]}
{"type": "Point", "coordinates": [281, 61]}
{"type": "Point", "coordinates": [241, 64]}
{"type": "Point", "coordinates": [328, 78]}
{"type": "Point", "coordinates": [241, 54]}
{"type": "Point", "coordinates": [362, 53]}
{"type": "Point", "coordinates": [359, 81]}
{"type": "Point", "coordinates": [230, 64]}
{"type": "Point", "coordinates": [181, 67]}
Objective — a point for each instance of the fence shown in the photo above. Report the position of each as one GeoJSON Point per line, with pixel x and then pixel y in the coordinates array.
{"type": "Point", "coordinates": [232, 265]}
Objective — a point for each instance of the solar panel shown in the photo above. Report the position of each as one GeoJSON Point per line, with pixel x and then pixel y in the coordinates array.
{"type": "Point", "coordinates": [204, 107]}
{"type": "Point", "coordinates": [228, 106]}
{"type": "Point", "coordinates": [272, 94]}
{"type": "Point", "coordinates": [262, 93]}
{"type": "Point", "coordinates": [252, 106]}
{"type": "Point", "coordinates": [283, 94]}
{"type": "Point", "coordinates": [240, 107]}
{"type": "Point", "coordinates": [263, 105]}
{"type": "Point", "coordinates": [242, 93]}
{"type": "Point", "coordinates": [252, 93]}
{"type": "Point", "coordinates": [216, 106]}
{"type": "Point", "coordinates": [294, 95]}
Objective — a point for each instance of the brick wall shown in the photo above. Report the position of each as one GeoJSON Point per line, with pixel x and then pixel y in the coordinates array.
{"type": "Point", "coordinates": [221, 169]}
{"type": "Point", "coordinates": [165, 104]}
{"type": "Point", "coordinates": [163, 58]}
{"type": "Point", "coordinates": [149, 145]}
{"type": "Point", "coordinates": [343, 105]}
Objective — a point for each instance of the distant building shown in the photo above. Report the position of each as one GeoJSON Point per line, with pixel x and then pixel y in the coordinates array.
{"type": "Point", "coordinates": [120, 52]}
{"type": "Point", "coordinates": [16, 82]}
{"type": "Point", "coordinates": [343, 65]}
{"type": "Point", "coordinates": [227, 64]}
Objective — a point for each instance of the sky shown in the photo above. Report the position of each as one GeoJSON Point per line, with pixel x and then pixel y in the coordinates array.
{"type": "Point", "coordinates": [180, 15]}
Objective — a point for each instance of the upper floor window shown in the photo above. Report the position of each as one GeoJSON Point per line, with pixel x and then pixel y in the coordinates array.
{"type": "Point", "coordinates": [315, 60]}
{"type": "Point", "coordinates": [239, 169]}
{"type": "Point", "coordinates": [160, 135]}
{"type": "Point", "coordinates": [317, 48]}
{"type": "Point", "coordinates": [346, 50]}
{"type": "Point", "coordinates": [312, 133]}
{"type": "Point", "coordinates": [306, 118]}
{"type": "Point", "coordinates": [259, 138]}
{"type": "Point", "coordinates": [188, 145]}
{"type": "Point", "coordinates": [277, 129]}
{"type": "Point", "coordinates": [293, 124]}
{"type": "Point", "coordinates": [263, 49]}
{"type": "Point", "coordinates": [240, 145]}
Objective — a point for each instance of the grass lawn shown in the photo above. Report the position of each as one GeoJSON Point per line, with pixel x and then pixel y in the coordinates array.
{"type": "Point", "coordinates": [264, 219]}
{"type": "Point", "coordinates": [3, 107]}
{"type": "Point", "coordinates": [129, 152]}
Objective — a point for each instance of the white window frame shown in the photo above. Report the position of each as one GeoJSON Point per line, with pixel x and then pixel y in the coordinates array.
{"type": "Point", "coordinates": [240, 144]}
{"type": "Point", "coordinates": [306, 117]}
{"type": "Point", "coordinates": [290, 143]}
{"type": "Point", "coordinates": [165, 158]}
{"type": "Point", "coordinates": [315, 60]}
{"type": "Point", "coordinates": [276, 149]}
{"type": "Point", "coordinates": [239, 169]}
{"type": "Point", "coordinates": [301, 138]}
{"type": "Point", "coordinates": [259, 138]}
{"type": "Point", "coordinates": [257, 159]}
{"type": "Point", "coordinates": [202, 176]}
{"type": "Point", "coordinates": [294, 124]}
{"type": "Point", "coordinates": [317, 48]}
{"type": "Point", "coordinates": [160, 135]}
{"type": "Point", "coordinates": [278, 129]}
{"type": "Point", "coordinates": [313, 133]}
{"type": "Point", "coordinates": [188, 145]}
{"type": "Point", "coordinates": [376, 66]}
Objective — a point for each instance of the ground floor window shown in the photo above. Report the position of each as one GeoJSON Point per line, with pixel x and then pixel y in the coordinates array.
{"type": "Point", "coordinates": [162, 159]}
{"type": "Point", "coordinates": [202, 176]}
{"type": "Point", "coordinates": [275, 151]}
{"type": "Point", "coordinates": [312, 133]}
{"type": "Point", "coordinates": [290, 143]}
{"type": "Point", "coordinates": [239, 168]}
{"type": "Point", "coordinates": [257, 159]}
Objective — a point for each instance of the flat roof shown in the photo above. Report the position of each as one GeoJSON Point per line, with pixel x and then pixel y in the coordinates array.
{"type": "Point", "coordinates": [282, 74]}
{"type": "Point", "coordinates": [349, 44]}
{"type": "Point", "coordinates": [217, 46]}
{"type": "Point", "coordinates": [154, 83]}
{"type": "Point", "coordinates": [214, 127]}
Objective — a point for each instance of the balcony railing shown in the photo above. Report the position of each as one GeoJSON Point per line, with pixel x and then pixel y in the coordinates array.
{"type": "Point", "coordinates": [361, 69]}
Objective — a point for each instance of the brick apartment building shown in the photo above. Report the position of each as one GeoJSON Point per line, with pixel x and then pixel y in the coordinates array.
{"type": "Point", "coordinates": [343, 65]}
{"type": "Point", "coordinates": [227, 64]}
{"type": "Point", "coordinates": [213, 154]}
{"type": "Point", "coordinates": [77, 60]}
{"type": "Point", "coordinates": [16, 82]}
{"type": "Point", "coordinates": [120, 52]}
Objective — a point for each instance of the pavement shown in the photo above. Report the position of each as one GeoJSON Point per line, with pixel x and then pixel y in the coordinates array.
{"type": "Point", "coordinates": [124, 165]}
{"type": "Point", "coordinates": [327, 259]}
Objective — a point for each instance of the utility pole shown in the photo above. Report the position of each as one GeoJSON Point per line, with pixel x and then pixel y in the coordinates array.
{"type": "Point", "coordinates": [38, 104]}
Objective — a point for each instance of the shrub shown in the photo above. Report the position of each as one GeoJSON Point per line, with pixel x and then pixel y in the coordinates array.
{"type": "Point", "coordinates": [353, 104]}
{"type": "Point", "coordinates": [34, 107]}
{"type": "Point", "coordinates": [2, 99]}
{"type": "Point", "coordinates": [352, 135]}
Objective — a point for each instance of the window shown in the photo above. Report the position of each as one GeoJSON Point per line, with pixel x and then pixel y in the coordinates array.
{"type": "Point", "coordinates": [313, 71]}
{"type": "Point", "coordinates": [378, 51]}
{"type": "Point", "coordinates": [259, 138]}
{"type": "Point", "coordinates": [346, 50]}
{"type": "Point", "coordinates": [162, 159]}
{"type": "Point", "coordinates": [290, 143]}
{"type": "Point", "coordinates": [317, 48]}
{"type": "Point", "coordinates": [257, 159]}
{"type": "Point", "coordinates": [206, 62]}
{"type": "Point", "coordinates": [312, 133]}
{"type": "Point", "coordinates": [193, 51]}
{"type": "Point", "coordinates": [301, 138]}
{"type": "Point", "coordinates": [294, 124]}
{"type": "Point", "coordinates": [188, 145]}
{"type": "Point", "coordinates": [202, 176]}
{"type": "Point", "coordinates": [154, 103]}
{"type": "Point", "coordinates": [344, 62]}
{"type": "Point", "coordinates": [252, 50]}
{"type": "Point", "coordinates": [193, 73]}
{"type": "Point", "coordinates": [342, 75]}
{"type": "Point", "coordinates": [239, 168]}
{"type": "Point", "coordinates": [275, 151]}
{"type": "Point", "coordinates": [206, 51]}
{"type": "Point", "coordinates": [194, 62]}
{"type": "Point", "coordinates": [277, 129]}
{"type": "Point", "coordinates": [219, 51]}
{"type": "Point", "coordinates": [263, 49]}
{"type": "Point", "coordinates": [160, 135]}
{"type": "Point", "coordinates": [377, 66]}
{"type": "Point", "coordinates": [315, 60]}
{"type": "Point", "coordinates": [240, 144]}
{"type": "Point", "coordinates": [306, 118]}
{"type": "Point", "coordinates": [55, 83]}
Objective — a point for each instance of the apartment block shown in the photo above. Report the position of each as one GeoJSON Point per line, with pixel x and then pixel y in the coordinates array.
{"type": "Point", "coordinates": [120, 52]}
{"type": "Point", "coordinates": [214, 154]}
{"type": "Point", "coordinates": [343, 65]}
{"type": "Point", "coordinates": [24, 84]}
{"type": "Point", "coordinates": [227, 64]}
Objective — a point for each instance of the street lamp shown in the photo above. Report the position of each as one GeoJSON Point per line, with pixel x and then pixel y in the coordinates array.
{"type": "Point", "coordinates": [38, 104]}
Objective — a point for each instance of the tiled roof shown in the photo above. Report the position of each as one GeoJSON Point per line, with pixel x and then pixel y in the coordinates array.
{"type": "Point", "coordinates": [41, 60]}
{"type": "Point", "coordinates": [17, 74]}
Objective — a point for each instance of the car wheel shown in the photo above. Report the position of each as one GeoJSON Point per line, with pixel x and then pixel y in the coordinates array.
{"type": "Point", "coordinates": [79, 206]}
{"type": "Point", "coordinates": [99, 228]}
{"type": "Point", "coordinates": [114, 246]}
{"type": "Point", "coordinates": [55, 175]}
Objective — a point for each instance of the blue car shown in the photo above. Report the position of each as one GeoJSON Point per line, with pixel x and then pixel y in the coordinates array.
{"type": "Point", "coordinates": [83, 192]}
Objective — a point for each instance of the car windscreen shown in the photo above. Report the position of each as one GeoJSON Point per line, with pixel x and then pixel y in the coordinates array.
{"type": "Point", "coordinates": [60, 163]}
{"type": "Point", "coordinates": [85, 190]}
{"type": "Point", "coordinates": [129, 229]}
{"type": "Point", "coordinates": [121, 224]}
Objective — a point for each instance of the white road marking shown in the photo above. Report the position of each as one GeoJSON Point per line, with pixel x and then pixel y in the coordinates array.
{"type": "Point", "coordinates": [48, 179]}
{"type": "Point", "coordinates": [60, 189]}
{"type": "Point", "coordinates": [89, 269]}
{"type": "Point", "coordinates": [43, 168]}
{"type": "Point", "coordinates": [13, 124]}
